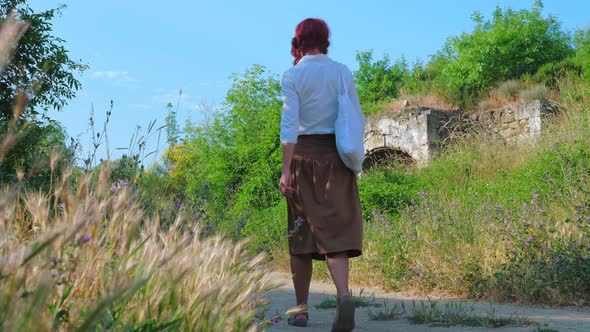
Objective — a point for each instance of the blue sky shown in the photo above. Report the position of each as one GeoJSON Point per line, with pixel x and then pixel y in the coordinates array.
{"type": "Point", "coordinates": [142, 52]}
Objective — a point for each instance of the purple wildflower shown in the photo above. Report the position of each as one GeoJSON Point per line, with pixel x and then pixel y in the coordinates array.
{"type": "Point", "coordinates": [507, 212]}
{"type": "Point", "coordinates": [498, 208]}
{"type": "Point", "coordinates": [115, 188]}
{"type": "Point", "coordinates": [529, 239]}
{"type": "Point", "coordinates": [240, 224]}
{"type": "Point", "coordinates": [61, 206]}
{"type": "Point", "coordinates": [84, 239]}
{"type": "Point", "coordinates": [122, 182]}
{"type": "Point", "coordinates": [299, 222]}
{"type": "Point", "coordinates": [422, 194]}
{"type": "Point", "coordinates": [207, 227]}
{"type": "Point", "coordinates": [512, 250]}
{"type": "Point", "coordinates": [276, 319]}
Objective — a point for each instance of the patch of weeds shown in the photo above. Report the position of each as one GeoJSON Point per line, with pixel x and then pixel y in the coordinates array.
{"type": "Point", "coordinates": [461, 314]}
{"type": "Point", "coordinates": [423, 313]}
{"type": "Point", "coordinates": [493, 320]}
{"type": "Point", "coordinates": [388, 313]}
{"type": "Point", "coordinates": [360, 301]}
{"type": "Point", "coordinates": [261, 319]}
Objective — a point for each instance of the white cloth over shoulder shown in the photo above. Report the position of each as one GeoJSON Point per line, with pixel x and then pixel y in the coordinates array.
{"type": "Point", "coordinates": [310, 96]}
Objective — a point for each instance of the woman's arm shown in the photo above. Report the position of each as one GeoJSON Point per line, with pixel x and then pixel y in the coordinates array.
{"type": "Point", "coordinates": [289, 131]}
{"type": "Point", "coordinates": [285, 183]}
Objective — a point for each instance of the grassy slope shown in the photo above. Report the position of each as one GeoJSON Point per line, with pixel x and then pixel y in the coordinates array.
{"type": "Point", "coordinates": [485, 219]}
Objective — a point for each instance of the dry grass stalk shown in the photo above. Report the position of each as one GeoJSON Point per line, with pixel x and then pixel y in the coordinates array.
{"type": "Point", "coordinates": [86, 250]}
{"type": "Point", "coordinates": [429, 101]}
{"type": "Point", "coordinates": [11, 32]}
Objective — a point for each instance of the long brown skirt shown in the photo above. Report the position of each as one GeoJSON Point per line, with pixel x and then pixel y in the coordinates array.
{"type": "Point", "coordinates": [325, 211]}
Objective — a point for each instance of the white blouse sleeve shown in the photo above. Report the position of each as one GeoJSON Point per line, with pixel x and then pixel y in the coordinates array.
{"type": "Point", "coordinates": [290, 115]}
{"type": "Point", "coordinates": [352, 93]}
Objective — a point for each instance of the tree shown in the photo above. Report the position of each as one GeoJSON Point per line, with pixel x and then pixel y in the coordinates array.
{"type": "Point", "coordinates": [582, 44]}
{"type": "Point", "coordinates": [379, 80]}
{"type": "Point", "coordinates": [41, 66]}
{"type": "Point", "coordinates": [234, 160]}
{"type": "Point", "coordinates": [39, 150]}
{"type": "Point", "coordinates": [42, 74]}
{"type": "Point", "coordinates": [509, 45]}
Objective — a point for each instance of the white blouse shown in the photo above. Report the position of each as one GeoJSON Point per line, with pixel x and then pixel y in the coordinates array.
{"type": "Point", "coordinates": [310, 96]}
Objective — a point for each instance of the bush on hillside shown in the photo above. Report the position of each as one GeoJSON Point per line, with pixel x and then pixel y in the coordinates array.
{"type": "Point", "coordinates": [551, 73]}
{"type": "Point", "coordinates": [387, 191]}
{"type": "Point", "coordinates": [509, 45]}
{"type": "Point", "coordinates": [379, 80]}
{"type": "Point", "coordinates": [232, 162]}
{"type": "Point", "coordinates": [582, 44]}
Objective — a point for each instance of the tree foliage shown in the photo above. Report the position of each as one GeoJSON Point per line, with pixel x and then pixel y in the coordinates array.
{"type": "Point", "coordinates": [41, 70]}
{"type": "Point", "coordinates": [233, 161]}
{"type": "Point", "coordinates": [510, 44]}
{"type": "Point", "coordinates": [39, 149]}
{"type": "Point", "coordinates": [582, 44]}
{"type": "Point", "coordinates": [379, 80]}
{"type": "Point", "coordinates": [41, 65]}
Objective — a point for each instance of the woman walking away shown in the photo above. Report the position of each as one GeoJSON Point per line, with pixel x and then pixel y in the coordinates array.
{"type": "Point", "coordinates": [323, 203]}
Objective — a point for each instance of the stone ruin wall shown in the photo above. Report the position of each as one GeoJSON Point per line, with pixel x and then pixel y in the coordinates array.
{"type": "Point", "coordinates": [421, 131]}
{"type": "Point", "coordinates": [516, 123]}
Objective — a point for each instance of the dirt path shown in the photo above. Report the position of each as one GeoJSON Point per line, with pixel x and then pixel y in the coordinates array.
{"type": "Point", "coordinates": [283, 298]}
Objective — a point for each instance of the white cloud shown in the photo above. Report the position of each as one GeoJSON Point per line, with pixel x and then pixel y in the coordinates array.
{"type": "Point", "coordinates": [109, 75]}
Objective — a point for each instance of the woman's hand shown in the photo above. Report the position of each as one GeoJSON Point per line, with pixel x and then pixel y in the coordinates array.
{"type": "Point", "coordinates": [285, 183]}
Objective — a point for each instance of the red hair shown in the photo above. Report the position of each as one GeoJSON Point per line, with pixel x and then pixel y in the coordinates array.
{"type": "Point", "coordinates": [310, 33]}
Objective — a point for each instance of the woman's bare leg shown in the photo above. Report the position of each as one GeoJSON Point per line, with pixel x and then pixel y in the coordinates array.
{"type": "Point", "coordinates": [301, 268]}
{"type": "Point", "coordinates": [338, 266]}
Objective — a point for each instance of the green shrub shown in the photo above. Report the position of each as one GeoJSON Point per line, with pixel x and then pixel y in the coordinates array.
{"type": "Point", "coordinates": [386, 190]}
{"type": "Point", "coordinates": [378, 81]}
{"type": "Point", "coordinates": [582, 45]}
{"type": "Point", "coordinates": [503, 48]}
{"type": "Point", "coordinates": [551, 73]}
{"type": "Point", "coordinates": [374, 107]}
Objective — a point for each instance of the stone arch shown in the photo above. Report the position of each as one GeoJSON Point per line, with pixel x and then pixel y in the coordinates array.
{"type": "Point", "coordinates": [386, 155]}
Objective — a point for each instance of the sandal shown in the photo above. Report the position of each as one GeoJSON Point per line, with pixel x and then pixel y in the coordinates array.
{"type": "Point", "coordinates": [344, 321]}
{"type": "Point", "coordinates": [296, 319]}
